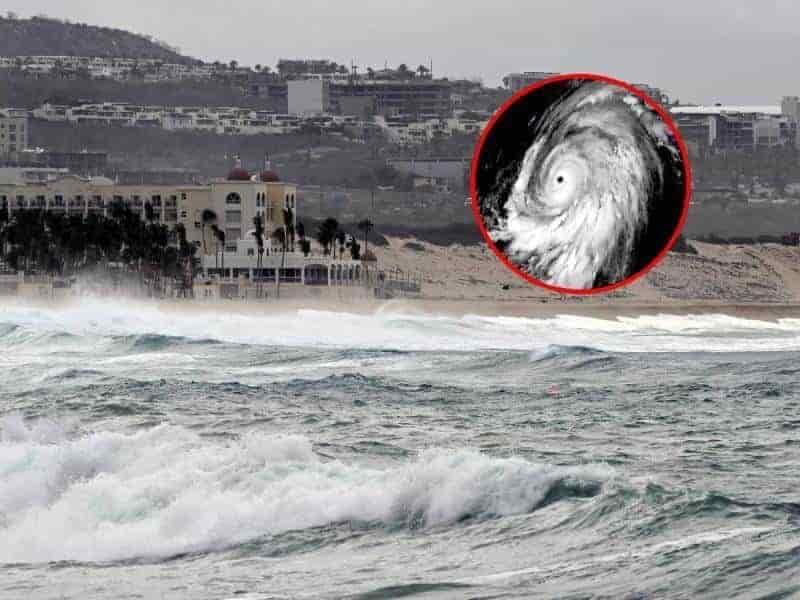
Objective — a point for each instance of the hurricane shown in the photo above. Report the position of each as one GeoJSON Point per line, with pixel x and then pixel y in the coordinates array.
{"type": "Point", "coordinates": [584, 207]}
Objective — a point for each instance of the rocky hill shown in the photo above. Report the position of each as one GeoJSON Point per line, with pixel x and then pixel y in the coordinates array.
{"type": "Point", "coordinates": [40, 36]}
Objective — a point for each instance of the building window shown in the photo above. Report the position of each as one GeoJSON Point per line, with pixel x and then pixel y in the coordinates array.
{"type": "Point", "coordinates": [233, 216]}
{"type": "Point", "coordinates": [233, 198]}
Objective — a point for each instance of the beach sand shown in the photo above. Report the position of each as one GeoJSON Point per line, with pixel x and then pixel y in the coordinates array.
{"type": "Point", "coordinates": [749, 281]}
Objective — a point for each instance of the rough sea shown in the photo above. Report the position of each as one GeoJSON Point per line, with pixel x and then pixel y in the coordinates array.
{"type": "Point", "coordinates": [196, 454]}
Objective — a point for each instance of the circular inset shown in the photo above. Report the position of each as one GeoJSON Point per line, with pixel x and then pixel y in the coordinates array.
{"type": "Point", "coordinates": [580, 183]}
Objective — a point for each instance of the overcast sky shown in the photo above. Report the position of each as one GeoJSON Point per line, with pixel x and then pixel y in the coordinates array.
{"type": "Point", "coordinates": [734, 51]}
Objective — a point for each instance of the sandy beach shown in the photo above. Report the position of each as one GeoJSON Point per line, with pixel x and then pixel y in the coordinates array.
{"type": "Point", "coordinates": [742, 280]}
{"type": "Point", "coordinates": [749, 281]}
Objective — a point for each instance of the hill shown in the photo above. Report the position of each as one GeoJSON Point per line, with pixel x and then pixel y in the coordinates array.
{"type": "Point", "coordinates": [41, 36]}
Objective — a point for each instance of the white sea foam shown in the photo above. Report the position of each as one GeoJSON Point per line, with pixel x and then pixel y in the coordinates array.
{"type": "Point", "coordinates": [110, 496]}
{"type": "Point", "coordinates": [97, 320]}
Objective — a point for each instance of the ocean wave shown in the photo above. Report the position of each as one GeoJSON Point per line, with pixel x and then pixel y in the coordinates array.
{"type": "Point", "coordinates": [109, 496]}
{"type": "Point", "coordinates": [148, 326]}
{"type": "Point", "coordinates": [559, 351]}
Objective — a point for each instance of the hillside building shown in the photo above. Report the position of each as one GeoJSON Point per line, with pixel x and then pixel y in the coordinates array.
{"type": "Point", "coordinates": [308, 97]}
{"type": "Point", "coordinates": [13, 133]}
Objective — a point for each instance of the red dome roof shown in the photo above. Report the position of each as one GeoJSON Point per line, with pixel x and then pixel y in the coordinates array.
{"type": "Point", "coordinates": [238, 174]}
{"type": "Point", "coordinates": [270, 176]}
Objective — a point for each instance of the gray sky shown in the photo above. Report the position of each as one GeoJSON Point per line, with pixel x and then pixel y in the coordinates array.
{"type": "Point", "coordinates": [734, 51]}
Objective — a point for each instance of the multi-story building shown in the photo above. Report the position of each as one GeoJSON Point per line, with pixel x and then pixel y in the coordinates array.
{"type": "Point", "coordinates": [445, 173]}
{"type": "Point", "coordinates": [83, 163]}
{"type": "Point", "coordinates": [405, 130]}
{"type": "Point", "coordinates": [227, 205]}
{"type": "Point", "coordinates": [13, 132]}
{"type": "Point", "coordinates": [724, 128]}
{"type": "Point", "coordinates": [790, 107]}
{"type": "Point", "coordinates": [308, 97]}
{"type": "Point", "coordinates": [233, 202]}
{"type": "Point", "coordinates": [424, 97]}
{"type": "Point", "coordinates": [516, 81]}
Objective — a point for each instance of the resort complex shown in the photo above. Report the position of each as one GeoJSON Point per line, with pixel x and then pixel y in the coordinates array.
{"type": "Point", "coordinates": [237, 237]}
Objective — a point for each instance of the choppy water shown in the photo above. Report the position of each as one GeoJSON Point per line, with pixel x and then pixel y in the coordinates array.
{"type": "Point", "coordinates": [146, 454]}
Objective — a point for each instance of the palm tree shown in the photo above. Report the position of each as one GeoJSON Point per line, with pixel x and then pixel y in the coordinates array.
{"type": "Point", "coordinates": [423, 71]}
{"type": "Point", "coordinates": [259, 235]}
{"type": "Point", "coordinates": [288, 226]}
{"type": "Point", "coordinates": [326, 234]}
{"type": "Point", "coordinates": [221, 238]}
{"type": "Point", "coordinates": [341, 237]}
{"type": "Point", "coordinates": [216, 231]}
{"type": "Point", "coordinates": [366, 226]}
{"type": "Point", "coordinates": [279, 236]}
{"type": "Point", "coordinates": [184, 258]}
{"type": "Point", "coordinates": [207, 217]}
{"type": "Point", "coordinates": [403, 71]}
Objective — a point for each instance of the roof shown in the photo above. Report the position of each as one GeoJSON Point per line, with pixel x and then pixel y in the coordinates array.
{"type": "Point", "coordinates": [719, 109]}
{"type": "Point", "coordinates": [270, 176]}
{"type": "Point", "coordinates": [238, 174]}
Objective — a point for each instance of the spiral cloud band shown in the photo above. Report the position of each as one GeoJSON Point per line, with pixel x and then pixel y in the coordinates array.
{"type": "Point", "coordinates": [576, 205]}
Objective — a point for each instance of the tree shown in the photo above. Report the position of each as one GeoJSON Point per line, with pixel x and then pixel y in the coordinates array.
{"type": "Point", "coordinates": [355, 249]}
{"type": "Point", "coordinates": [207, 217]}
{"type": "Point", "coordinates": [326, 234]}
{"type": "Point", "coordinates": [423, 71]}
{"type": "Point", "coordinates": [341, 237]}
{"type": "Point", "coordinates": [234, 64]}
{"type": "Point", "coordinates": [288, 226]}
{"type": "Point", "coordinates": [279, 236]}
{"type": "Point", "coordinates": [366, 226]}
{"type": "Point", "coordinates": [259, 235]}
{"type": "Point", "coordinates": [221, 238]}
{"type": "Point", "coordinates": [216, 231]}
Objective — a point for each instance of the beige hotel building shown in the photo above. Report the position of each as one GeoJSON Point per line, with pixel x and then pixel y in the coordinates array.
{"type": "Point", "coordinates": [234, 202]}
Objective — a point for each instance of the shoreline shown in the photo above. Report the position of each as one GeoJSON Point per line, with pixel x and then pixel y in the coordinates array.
{"type": "Point", "coordinates": [536, 308]}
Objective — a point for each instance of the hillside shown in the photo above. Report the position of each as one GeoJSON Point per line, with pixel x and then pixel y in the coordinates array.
{"type": "Point", "coordinates": [49, 37]}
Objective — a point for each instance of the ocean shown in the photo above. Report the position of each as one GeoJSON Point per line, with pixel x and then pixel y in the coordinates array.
{"type": "Point", "coordinates": [150, 453]}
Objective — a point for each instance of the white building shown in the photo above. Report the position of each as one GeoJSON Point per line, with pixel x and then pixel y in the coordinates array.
{"type": "Point", "coordinates": [13, 132]}
{"type": "Point", "coordinates": [308, 97]}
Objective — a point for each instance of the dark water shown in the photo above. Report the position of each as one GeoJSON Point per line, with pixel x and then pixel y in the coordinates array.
{"type": "Point", "coordinates": [324, 455]}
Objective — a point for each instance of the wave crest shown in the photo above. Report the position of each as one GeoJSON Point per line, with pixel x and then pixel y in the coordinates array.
{"type": "Point", "coordinates": [164, 491]}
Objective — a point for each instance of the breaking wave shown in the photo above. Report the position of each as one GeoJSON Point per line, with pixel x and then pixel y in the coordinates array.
{"type": "Point", "coordinates": [166, 491]}
{"type": "Point", "coordinates": [148, 327]}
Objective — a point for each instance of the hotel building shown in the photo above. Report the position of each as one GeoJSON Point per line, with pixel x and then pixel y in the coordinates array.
{"type": "Point", "coordinates": [228, 204]}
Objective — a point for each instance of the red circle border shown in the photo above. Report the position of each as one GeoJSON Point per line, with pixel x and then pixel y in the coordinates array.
{"type": "Point", "coordinates": [665, 118]}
